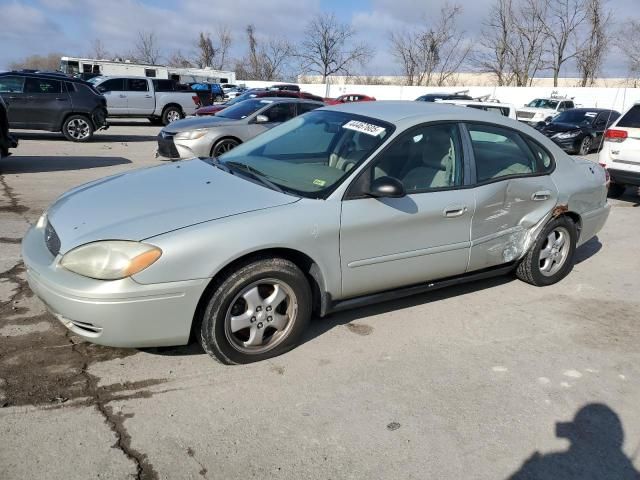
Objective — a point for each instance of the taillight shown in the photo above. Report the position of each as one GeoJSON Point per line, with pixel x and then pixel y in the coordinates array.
{"type": "Point", "coordinates": [607, 177]}
{"type": "Point", "coordinates": [617, 136]}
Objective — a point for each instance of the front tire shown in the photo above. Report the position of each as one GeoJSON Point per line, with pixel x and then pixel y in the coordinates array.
{"type": "Point", "coordinates": [77, 128]}
{"type": "Point", "coordinates": [223, 146]}
{"type": "Point", "coordinates": [585, 146]}
{"type": "Point", "coordinates": [257, 312]}
{"type": "Point", "coordinates": [171, 114]}
{"type": "Point", "coordinates": [616, 190]}
{"type": "Point", "coordinates": [551, 257]}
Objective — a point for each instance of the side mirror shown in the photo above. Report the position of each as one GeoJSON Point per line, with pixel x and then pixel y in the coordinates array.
{"type": "Point", "coordinates": [387, 187]}
{"type": "Point", "coordinates": [262, 119]}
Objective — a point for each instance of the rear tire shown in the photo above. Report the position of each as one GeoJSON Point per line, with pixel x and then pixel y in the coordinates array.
{"type": "Point", "coordinates": [551, 257]}
{"type": "Point", "coordinates": [77, 128]}
{"type": "Point", "coordinates": [171, 114]}
{"type": "Point", "coordinates": [616, 190]}
{"type": "Point", "coordinates": [257, 312]}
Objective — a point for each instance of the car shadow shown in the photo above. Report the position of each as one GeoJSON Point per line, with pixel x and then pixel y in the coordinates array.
{"type": "Point", "coordinates": [99, 137]}
{"type": "Point", "coordinates": [39, 164]}
{"type": "Point", "coordinates": [319, 326]}
{"type": "Point", "coordinates": [631, 195]}
{"type": "Point", "coordinates": [587, 250]}
{"type": "Point", "coordinates": [596, 438]}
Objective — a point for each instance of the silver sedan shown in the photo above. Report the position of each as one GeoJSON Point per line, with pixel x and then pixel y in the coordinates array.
{"type": "Point", "coordinates": [333, 209]}
{"type": "Point", "coordinates": [215, 135]}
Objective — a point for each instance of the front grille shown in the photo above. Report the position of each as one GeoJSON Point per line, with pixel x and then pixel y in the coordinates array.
{"type": "Point", "coordinates": [166, 147]}
{"type": "Point", "coordinates": [51, 239]}
{"type": "Point", "coordinates": [525, 114]}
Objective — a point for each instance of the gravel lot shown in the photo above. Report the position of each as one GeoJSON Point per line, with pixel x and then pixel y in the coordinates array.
{"type": "Point", "coordinates": [468, 382]}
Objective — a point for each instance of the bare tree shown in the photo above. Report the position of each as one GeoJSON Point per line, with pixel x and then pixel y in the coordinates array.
{"type": "Point", "coordinates": [48, 62]}
{"type": "Point", "coordinates": [560, 20]}
{"type": "Point", "coordinates": [210, 54]}
{"type": "Point", "coordinates": [146, 48]}
{"type": "Point", "coordinates": [592, 48]}
{"type": "Point", "coordinates": [433, 54]}
{"type": "Point", "coordinates": [265, 60]}
{"type": "Point", "coordinates": [177, 59]}
{"type": "Point", "coordinates": [529, 37]}
{"type": "Point", "coordinates": [628, 44]}
{"type": "Point", "coordinates": [97, 50]}
{"type": "Point", "coordinates": [495, 42]}
{"type": "Point", "coordinates": [326, 48]}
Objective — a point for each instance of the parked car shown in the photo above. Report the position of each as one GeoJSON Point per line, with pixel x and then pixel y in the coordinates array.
{"type": "Point", "coordinates": [504, 109]}
{"type": "Point", "coordinates": [620, 153]}
{"type": "Point", "coordinates": [256, 93]}
{"type": "Point", "coordinates": [235, 92]}
{"type": "Point", "coordinates": [208, 93]}
{"type": "Point", "coordinates": [213, 136]}
{"type": "Point", "coordinates": [342, 206]}
{"type": "Point", "coordinates": [161, 101]}
{"type": "Point", "coordinates": [54, 103]}
{"type": "Point", "coordinates": [433, 97]}
{"type": "Point", "coordinates": [579, 130]}
{"type": "Point", "coordinates": [7, 141]}
{"type": "Point", "coordinates": [285, 86]}
{"type": "Point", "coordinates": [543, 109]}
{"type": "Point", "coordinates": [350, 97]}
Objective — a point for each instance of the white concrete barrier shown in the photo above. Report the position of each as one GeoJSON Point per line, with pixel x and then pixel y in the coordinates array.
{"type": "Point", "coordinates": [617, 98]}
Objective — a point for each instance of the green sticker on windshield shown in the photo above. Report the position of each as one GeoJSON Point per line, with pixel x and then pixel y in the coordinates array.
{"type": "Point", "coordinates": [320, 183]}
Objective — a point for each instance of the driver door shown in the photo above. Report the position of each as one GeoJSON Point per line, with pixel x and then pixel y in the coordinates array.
{"type": "Point", "coordinates": [387, 243]}
{"type": "Point", "coordinates": [276, 113]}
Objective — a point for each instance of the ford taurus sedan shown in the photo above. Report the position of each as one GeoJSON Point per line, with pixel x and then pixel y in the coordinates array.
{"type": "Point", "coordinates": [339, 207]}
{"type": "Point", "coordinates": [213, 136]}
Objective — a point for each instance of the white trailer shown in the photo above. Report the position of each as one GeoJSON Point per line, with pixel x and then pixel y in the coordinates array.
{"type": "Point", "coordinates": [89, 67]}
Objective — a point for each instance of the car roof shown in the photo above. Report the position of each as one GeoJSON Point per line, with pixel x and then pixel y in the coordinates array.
{"type": "Point", "coordinates": [477, 102]}
{"type": "Point", "coordinates": [396, 111]}
{"type": "Point", "coordinates": [285, 99]}
{"type": "Point", "coordinates": [50, 76]}
{"type": "Point", "coordinates": [584, 109]}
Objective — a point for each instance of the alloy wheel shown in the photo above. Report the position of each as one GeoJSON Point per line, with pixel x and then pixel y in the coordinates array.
{"type": "Point", "coordinates": [79, 129]}
{"type": "Point", "coordinates": [555, 251]}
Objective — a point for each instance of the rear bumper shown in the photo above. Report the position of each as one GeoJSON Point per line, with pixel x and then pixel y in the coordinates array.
{"type": "Point", "coordinates": [624, 177]}
{"type": "Point", "coordinates": [119, 313]}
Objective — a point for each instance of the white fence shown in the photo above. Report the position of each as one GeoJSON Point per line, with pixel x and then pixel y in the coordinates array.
{"type": "Point", "coordinates": [618, 98]}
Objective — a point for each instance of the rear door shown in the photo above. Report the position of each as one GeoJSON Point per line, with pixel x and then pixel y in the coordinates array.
{"type": "Point", "coordinates": [114, 91]}
{"type": "Point", "coordinates": [277, 113]}
{"type": "Point", "coordinates": [47, 102]}
{"type": "Point", "coordinates": [513, 192]}
{"type": "Point", "coordinates": [12, 91]}
{"type": "Point", "coordinates": [625, 155]}
{"type": "Point", "coordinates": [140, 99]}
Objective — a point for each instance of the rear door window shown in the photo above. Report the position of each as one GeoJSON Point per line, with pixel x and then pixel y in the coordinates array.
{"type": "Point", "coordinates": [307, 107]}
{"type": "Point", "coordinates": [42, 85]}
{"type": "Point", "coordinates": [164, 85]}
{"type": "Point", "coordinates": [11, 84]}
{"type": "Point", "coordinates": [137, 85]}
{"type": "Point", "coordinates": [112, 85]}
{"type": "Point", "coordinates": [281, 112]}
{"type": "Point", "coordinates": [500, 152]}
{"type": "Point", "coordinates": [631, 119]}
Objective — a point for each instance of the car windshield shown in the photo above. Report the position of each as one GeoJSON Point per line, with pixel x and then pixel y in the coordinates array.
{"type": "Point", "coordinates": [310, 154]}
{"type": "Point", "coordinates": [243, 109]}
{"type": "Point", "coordinates": [543, 103]}
{"type": "Point", "coordinates": [575, 117]}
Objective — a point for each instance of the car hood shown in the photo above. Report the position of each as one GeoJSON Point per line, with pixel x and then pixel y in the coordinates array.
{"type": "Point", "coordinates": [194, 123]}
{"type": "Point", "coordinates": [151, 201]}
{"type": "Point", "coordinates": [536, 110]}
{"type": "Point", "coordinates": [553, 128]}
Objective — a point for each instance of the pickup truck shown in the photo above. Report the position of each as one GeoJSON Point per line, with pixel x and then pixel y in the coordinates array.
{"type": "Point", "coordinates": [161, 101]}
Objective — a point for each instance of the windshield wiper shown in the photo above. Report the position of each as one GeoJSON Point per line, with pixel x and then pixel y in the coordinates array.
{"type": "Point", "coordinates": [253, 173]}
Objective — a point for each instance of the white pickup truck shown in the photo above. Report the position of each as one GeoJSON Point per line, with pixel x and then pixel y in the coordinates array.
{"type": "Point", "coordinates": [161, 101]}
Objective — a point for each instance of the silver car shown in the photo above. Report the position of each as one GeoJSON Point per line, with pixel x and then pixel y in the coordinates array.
{"type": "Point", "coordinates": [215, 135]}
{"type": "Point", "coordinates": [336, 208]}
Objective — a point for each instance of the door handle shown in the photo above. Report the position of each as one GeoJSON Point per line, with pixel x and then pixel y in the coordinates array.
{"type": "Point", "coordinates": [454, 211]}
{"type": "Point", "coordinates": [541, 196]}
{"type": "Point", "coordinates": [61, 99]}
{"type": "Point", "coordinates": [148, 96]}
{"type": "Point", "coordinates": [122, 96]}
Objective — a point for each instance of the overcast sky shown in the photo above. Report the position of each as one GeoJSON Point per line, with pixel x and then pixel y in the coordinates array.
{"type": "Point", "coordinates": [69, 26]}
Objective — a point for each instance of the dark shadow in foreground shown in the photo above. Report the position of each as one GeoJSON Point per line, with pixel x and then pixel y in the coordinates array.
{"type": "Point", "coordinates": [20, 164]}
{"type": "Point", "coordinates": [587, 250]}
{"type": "Point", "coordinates": [596, 437]}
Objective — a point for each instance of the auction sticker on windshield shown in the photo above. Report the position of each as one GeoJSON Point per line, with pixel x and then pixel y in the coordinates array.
{"type": "Point", "coordinates": [364, 127]}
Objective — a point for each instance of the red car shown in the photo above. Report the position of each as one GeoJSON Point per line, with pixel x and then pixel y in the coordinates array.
{"type": "Point", "coordinates": [256, 93]}
{"type": "Point", "coordinates": [350, 97]}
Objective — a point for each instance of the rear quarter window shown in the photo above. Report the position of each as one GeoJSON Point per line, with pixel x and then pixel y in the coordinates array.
{"type": "Point", "coordinates": [631, 119]}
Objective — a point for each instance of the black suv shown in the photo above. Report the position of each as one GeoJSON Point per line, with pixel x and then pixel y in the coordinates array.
{"type": "Point", "coordinates": [37, 101]}
{"type": "Point", "coordinates": [6, 140]}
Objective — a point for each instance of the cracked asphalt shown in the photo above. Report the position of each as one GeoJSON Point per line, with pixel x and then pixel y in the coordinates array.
{"type": "Point", "coordinates": [478, 381]}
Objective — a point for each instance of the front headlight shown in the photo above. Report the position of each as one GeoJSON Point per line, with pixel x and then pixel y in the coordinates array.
{"type": "Point", "coordinates": [569, 134]}
{"type": "Point", "coordinates": [191, 134]}
{"type": "Point", "coordinates": [111, 259]}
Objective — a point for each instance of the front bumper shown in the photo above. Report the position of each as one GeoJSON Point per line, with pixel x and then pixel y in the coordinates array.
{"type": "Point", "coordinates": [568, 144]}
{"type": "Point", "coordinates": [168, 147]}
{"type": "Point", "coordinates": [119, 313]}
